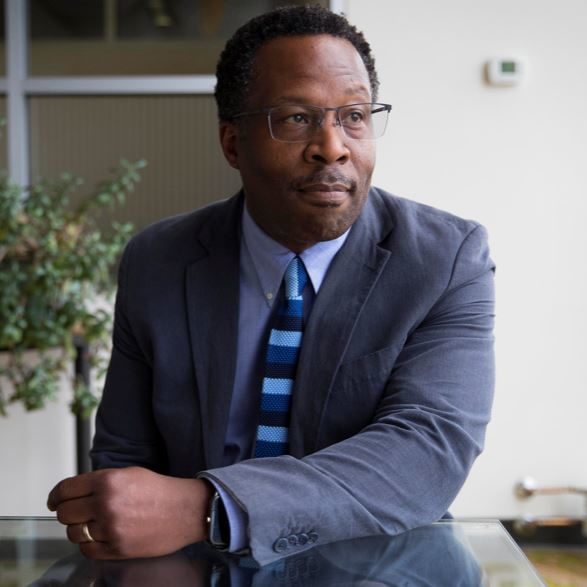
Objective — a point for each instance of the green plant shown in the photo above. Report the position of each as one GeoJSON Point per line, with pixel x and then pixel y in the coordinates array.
{"type": "Point", "coordinates": [54, 262]}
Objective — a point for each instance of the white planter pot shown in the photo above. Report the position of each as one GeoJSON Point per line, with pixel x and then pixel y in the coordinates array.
{"type": "Point", "coordinates": [37, 449]}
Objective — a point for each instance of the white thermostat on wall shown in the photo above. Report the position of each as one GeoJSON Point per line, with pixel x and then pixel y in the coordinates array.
{"type": "Point", "coordinates": [504, 71]}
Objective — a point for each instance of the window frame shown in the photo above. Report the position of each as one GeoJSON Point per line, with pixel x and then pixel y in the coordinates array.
{"type": "Point", "coordinates": [18, 86]}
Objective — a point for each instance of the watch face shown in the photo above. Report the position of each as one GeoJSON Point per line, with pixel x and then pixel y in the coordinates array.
{"type": "Point", "coordinates": [219, 529]}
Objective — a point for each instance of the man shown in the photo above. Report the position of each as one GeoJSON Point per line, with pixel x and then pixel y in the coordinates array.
{"type": "Point", "coordinates": [394, 376]}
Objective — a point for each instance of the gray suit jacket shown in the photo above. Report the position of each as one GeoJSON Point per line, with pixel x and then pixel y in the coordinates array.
{"type": "Point", "coordinates": [394, 384]}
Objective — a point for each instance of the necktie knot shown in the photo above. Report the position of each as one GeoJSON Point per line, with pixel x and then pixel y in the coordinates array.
{"type": "Point", "coordinates": [295, 278]}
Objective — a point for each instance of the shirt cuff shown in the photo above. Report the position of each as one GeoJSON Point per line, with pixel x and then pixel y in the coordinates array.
{"type": "Point", "coordinates": [237, 519]}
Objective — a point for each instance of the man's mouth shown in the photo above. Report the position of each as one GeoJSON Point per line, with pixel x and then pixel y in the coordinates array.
{"type": "Point", "coordinates": [324, 194]}
{"type": "Point", "coordinates": [327, 190]}
{"type": "Point", "coordinates": [325, 181]}
{"type": "Point", "coordinates": [324, 187]}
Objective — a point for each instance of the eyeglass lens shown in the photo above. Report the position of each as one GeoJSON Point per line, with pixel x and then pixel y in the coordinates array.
{"type": "Point", "coordinates": [297, 123]}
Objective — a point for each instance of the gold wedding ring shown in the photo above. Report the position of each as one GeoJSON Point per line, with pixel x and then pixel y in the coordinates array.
{"type": "Point", "coordinates": [86, 533]}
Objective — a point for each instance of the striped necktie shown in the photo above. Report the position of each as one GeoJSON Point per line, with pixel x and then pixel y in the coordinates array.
{"type": "Point", "coordinates": [285, 341]}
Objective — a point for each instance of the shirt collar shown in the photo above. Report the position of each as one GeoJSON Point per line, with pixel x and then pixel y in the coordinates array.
{"type": "Point", "coordinates": [271, 258]}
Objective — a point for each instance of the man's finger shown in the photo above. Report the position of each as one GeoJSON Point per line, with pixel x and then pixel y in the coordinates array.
{"type": "Point", "coordinates": [71, 488]}
{"type": "Point", "coordinates": [76, 534]}
{"type": "Point", "coordinates": [99, 550]}
{"type": "Point", "coordinates": [76, 511]}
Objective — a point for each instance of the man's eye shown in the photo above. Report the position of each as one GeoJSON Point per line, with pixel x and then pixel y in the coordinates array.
{"type": "Point", "coordinates": [354, 117]}
{"type": "Point", "coordinates": [299, 118]}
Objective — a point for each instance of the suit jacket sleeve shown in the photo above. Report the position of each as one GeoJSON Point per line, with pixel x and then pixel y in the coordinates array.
{"type": "Point", "coordinates": [405, 467]}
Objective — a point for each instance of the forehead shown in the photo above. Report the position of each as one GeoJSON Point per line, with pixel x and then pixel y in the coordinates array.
{"type": "Point", "coordinates": [313, 67]}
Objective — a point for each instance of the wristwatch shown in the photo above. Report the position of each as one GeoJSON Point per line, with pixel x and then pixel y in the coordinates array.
{"type": "Point", "coordinates": [217, 521]}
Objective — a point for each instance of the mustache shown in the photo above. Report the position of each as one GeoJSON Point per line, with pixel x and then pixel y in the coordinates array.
{"type": "Point", "coordinates": [325, 177]}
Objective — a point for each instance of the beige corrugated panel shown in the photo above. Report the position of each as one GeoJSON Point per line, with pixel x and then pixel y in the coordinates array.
{"type": "Point", "coordinates": [177, 135]}
{"type": "Point", "coordinates": [3, 153]}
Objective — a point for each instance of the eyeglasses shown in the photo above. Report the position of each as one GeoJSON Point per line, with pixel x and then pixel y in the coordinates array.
{"type": "Point", "coordinates": [299, 123]}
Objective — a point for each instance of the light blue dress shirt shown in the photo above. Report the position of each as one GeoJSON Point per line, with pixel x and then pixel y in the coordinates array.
{"type": "Point", "coordinates": [263, 262]}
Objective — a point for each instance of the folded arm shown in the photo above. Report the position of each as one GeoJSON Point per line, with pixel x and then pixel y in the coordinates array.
{"type": "Point", "coordinates": [406, 467]}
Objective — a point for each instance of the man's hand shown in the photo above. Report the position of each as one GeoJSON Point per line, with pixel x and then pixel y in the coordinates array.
{"type": "Point", "coordinates": [131, 512]}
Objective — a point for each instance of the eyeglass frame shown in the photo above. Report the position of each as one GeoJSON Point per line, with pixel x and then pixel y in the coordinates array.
{"type": "Point", "coordinates": [335, 109]}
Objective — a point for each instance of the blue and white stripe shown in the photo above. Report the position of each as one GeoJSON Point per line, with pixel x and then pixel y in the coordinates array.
{"type": "Point", "coordinates": [285, 341]}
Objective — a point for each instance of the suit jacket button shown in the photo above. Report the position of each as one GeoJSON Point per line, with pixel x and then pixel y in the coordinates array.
{"type": "Point", "coordinates": [303, 538]}
{"type": "Point", "coordinates": [312, 537]}
{"type": "Point", "coordinates": [280, 545]}
{"type": "Point", "coordinates": [292, 540]}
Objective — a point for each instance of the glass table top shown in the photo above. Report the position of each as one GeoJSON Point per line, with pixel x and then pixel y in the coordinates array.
{"type": "Point", "coordinates": [35, 551]}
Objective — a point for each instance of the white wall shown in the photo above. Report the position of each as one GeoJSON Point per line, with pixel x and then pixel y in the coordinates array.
{"type": "Point", "coordinates": [516, 160]}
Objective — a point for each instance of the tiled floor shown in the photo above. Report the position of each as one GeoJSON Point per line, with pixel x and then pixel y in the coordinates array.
{"type": "Point", "coordinates": [564, 567]}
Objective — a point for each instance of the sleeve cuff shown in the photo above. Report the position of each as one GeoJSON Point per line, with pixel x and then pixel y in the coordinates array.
{"type": "Point", "coordinates": [237, 519]}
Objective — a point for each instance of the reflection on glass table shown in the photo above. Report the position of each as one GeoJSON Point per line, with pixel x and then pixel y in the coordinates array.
{"type": "Point", "coordinates": [34, 551]}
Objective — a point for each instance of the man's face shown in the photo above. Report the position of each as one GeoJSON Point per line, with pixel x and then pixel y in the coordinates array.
{"type": "Point", "coordinates": [303, 193]}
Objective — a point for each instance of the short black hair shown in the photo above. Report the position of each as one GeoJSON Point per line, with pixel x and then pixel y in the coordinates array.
{"type": "Point", "coordinates": [234, 69]}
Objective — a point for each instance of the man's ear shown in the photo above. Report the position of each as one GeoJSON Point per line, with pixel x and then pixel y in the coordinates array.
{"type": "Point", "coordinates": [228, 141]}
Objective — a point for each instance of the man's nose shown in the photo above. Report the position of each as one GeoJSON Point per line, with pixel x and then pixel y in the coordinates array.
{"type": "Point", "coordinates": [329, 143]}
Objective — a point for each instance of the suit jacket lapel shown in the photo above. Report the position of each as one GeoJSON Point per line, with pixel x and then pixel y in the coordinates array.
{"type": "Point", "coordinates": [212, 294]}
{"type": "Point", "coordinates": [342, 297]}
